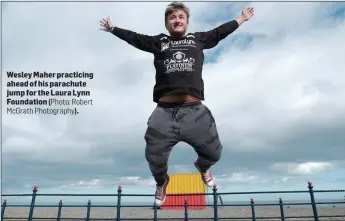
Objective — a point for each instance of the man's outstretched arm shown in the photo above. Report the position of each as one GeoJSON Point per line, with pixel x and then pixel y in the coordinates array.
{"type": "Point", "coordinates": [213, 37]}
{"type": "Point", "coordinates": [139, 41]}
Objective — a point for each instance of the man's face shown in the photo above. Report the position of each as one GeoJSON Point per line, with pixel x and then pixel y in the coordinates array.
{"type": "Point", "coordinates": [177, 23]}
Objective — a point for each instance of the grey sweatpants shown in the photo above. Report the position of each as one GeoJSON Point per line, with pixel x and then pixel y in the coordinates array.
{"type": "Point", "coordinates": [169, 124]}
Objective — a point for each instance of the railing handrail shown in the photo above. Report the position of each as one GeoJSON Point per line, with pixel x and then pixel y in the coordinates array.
{"type": "Point", "coordinates": [214, 193]}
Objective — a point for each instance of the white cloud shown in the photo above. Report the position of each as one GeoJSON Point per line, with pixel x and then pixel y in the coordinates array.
{"type": "Point", "coordinates": [303, 168]}
{"type": "Point", "coordinates": [137, 181]}
{"type": "Point", "coordinates": [313, 167]}
{"type": "Point", "coordinates": [183, 168]}
{"type": "Point", "coordinates": [249, 178]}
{"type": "Point", "coordinates": [273, 89]}
{"type": "Point", "coordinates": [92, 184]}
{"type": "Point", "coordinates": [286, 179]}
{"type": "Point", "coordinates": [126, 181]}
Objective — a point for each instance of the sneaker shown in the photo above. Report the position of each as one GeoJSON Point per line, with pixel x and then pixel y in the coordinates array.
{"type": "Point", "coordinates": [161, 192]}
{"type": "Point", "coordinates": [206, 176]}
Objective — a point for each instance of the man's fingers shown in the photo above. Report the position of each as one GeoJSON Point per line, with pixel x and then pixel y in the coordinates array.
{"type": "Point", "coordinates": [249, 9]}
{"type": "Point", "coordinates": [104, 21]}
{"type": "Point", "coordinates": [105, 24]}
{"type": "Point", "coordinates": [109, 21]}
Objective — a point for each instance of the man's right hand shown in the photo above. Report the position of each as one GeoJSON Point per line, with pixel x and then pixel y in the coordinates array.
{"type": "Point", "coordinates": [106, 25]}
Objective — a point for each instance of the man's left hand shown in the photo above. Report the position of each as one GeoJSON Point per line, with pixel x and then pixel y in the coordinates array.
{"type": "Point", "coordinates": [247, 13]}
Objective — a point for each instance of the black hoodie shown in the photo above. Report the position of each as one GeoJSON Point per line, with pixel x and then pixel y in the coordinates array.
{"type": "Point", "coordinates": [178, 61]}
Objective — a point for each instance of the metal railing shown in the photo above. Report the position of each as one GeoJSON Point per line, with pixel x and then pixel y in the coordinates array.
{"type": "Point", "coordinates": [216, 196]}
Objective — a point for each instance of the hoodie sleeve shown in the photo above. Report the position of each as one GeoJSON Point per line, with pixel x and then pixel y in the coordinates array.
{"type": "Point", "coordinates": [139, 41]}
{"type": "Point", "coordinates": [211, 38]}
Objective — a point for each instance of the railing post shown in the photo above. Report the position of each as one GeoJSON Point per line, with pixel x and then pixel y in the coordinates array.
{"type": "Point", "coordinates": [32, 205]}
{"type": "Point", "coordinates": [59, 211]}
{"type": "Point", "coordinates": [281, 209]}
{"type": "Point", "coordinates": [215, 203]}
{"type": "Point", "coordinates": [154, 211]}
{"type": "Point", "coordinates": [3, 209]}
{"type": "Point", "coordinates": [118, 214]}
{"type": "Point", "coordinates": [312, 199]}
{"type": "Point", "coordinates": [88, 210]}
{"type": "Point", "coordinates": [253, 209]}
{"type": "Point", "coordinates": [185, 210]}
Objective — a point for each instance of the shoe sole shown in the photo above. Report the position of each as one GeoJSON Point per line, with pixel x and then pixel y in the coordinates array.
{"type": "Point", "coordinates": [162, 202]}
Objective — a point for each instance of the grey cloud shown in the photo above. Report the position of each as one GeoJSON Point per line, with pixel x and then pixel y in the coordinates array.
{"type": "Point", "coordinates": [52, 174]}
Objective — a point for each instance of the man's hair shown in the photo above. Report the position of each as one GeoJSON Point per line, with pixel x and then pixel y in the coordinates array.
{"type": "Point", "coordinates": [174, 6]}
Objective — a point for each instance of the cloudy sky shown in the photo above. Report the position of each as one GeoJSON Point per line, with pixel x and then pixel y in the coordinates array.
{"type": "Point", "coordinates": [276, 87]}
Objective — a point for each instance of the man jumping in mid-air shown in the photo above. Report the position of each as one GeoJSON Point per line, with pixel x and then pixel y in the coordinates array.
{"type": "Point", "coordinates": [179, 89]}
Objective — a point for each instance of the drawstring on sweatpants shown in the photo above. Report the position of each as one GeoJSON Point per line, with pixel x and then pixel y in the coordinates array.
{"type": "Point", "coordinates": [175, 110]}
